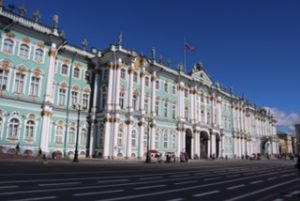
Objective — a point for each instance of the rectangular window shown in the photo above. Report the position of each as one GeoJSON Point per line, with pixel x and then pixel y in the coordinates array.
{"type": "Point", "coordinates": [186, 112]}
{"type": "Point", "coordinates": [166, 110]}
{"type": "Point", "coordinates": [157, 107]}
{"type": "Point", "coordinates": [121, 101]}
{"type": "Point", "coordinates": [3, 79]}
{"type": "Point", "coordinates": [166, 87]}
{"type": "Point", "coordinates": [85, 101]}
{"type": "Point", "coordinates": [174, 89]}
{"type": "Point", "coordinates": [174, 111]}
{"type": "Point", "coordinates": [157, 84]}
{"type": "Point", "coordinates": [19, 82]}
{"type": "Point", "coordinates": [146, 105]}
{"type": "Point", "coordinates": [74, 97]}
{"type": "Point", "coordinates": [147, 81]}
{"type": "Point", "coordinates": [34, 86]}
{"type": "Point", "coordinates": [62, 96]}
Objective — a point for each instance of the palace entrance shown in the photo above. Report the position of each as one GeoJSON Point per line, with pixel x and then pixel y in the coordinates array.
{"type": "Point", "coordinates": [188, 142]}
{"type": "Point", "coordinates": [203, 144]}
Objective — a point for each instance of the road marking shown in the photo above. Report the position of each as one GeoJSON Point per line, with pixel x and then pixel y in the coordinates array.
{"type": "Point", "coordinates": [148, 187]}
{"type": "Point", "coordinates": [213, 178]}
{"type": "Point", "coordinates": [272, 178]}
{"type": "Point", "coordinates": [179, 175]}
{"type": "Point", "coordinates": [135, 183]}
{"type": "Point", "coordinates": [59, 184]}
{"type": "Point", "coordinates": [37, 198]}
{"type": "Point", "coordinates": [97, 193]}
{"type": "Point", "coordinates": [235, 187]}
{"type": "Point", "coordinates": [186, 182]}
{"type": "Point", "coordinates": [206, 193]}
{"type": "Point", "coordinates": [110, 181]}
{"type": "Point", "coordinates": [256, 182]}
{"type": "Point", "coordinates": [292, 194]}
{"type": "Point", "coordinates": [3, 187]}
{"type": "Point", "coordinates": [262, 190]}
{"type": "Point", "coordinates": [176, 199]}
{"type": "Point", "coordinates": [236, 175]}
{"type": "Point", "coordinates": [150, 178]}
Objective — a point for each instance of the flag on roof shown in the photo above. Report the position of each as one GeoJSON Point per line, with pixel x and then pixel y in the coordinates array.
{"type": "Point", "coordinates": [189, 47]}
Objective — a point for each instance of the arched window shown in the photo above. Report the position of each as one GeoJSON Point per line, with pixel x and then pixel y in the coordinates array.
{"type": "Point", "coordinates": [166, 136]}
{"type": "Point", "coordinates": [156, 139]}
{"type": "Point", "coordinates": [8, 46]}
{"type": "Point", "coordinates": [120, 137]}
{"type": "Point", "coordinates": [64, 69]}
{"type": "Point", "coordinates": [83, 137]}
{"type": "Point", "coordinates": [76, 72]}
{"type": "Point", "coordinates": [30, 129]}
{"type": "Point", "coordinates": [72, 136]}
{"type": "Point", "coordinates": [85, 101]}
{"type": "Point", "coordinates": [133, 138]}
{"type": "Point", "coordinates": [3, 79]}
{"type": "Point", "coordinates": [39, 55]}
{"type": "Point", "coordinates": [74, 97]}
{"type": "Point", "coordinates": [123, 73]}
{"type": "Point", "coordinates": [62, 96]}
{"type": "Point", "coordinates": [59, 135]}
{"type": "Point", "coordinates": [14, 126]}
{"type": "Point", "coordinates": [24, 51]}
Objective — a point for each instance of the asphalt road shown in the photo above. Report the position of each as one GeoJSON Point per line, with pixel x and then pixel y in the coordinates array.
{"type": "Point", "coordinates": [275, 180]}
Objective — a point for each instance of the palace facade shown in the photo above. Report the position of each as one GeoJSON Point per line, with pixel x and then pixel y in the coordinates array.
{"type": "Point", "coordinates": [128, 103]}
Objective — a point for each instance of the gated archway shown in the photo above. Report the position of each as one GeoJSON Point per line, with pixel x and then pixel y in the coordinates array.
{"type": "Point", "coordinates": [203, 144]}
{"type": "Point", "coordinates": [188, 142]}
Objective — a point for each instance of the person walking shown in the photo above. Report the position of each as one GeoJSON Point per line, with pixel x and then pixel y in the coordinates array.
{"type": "Point", "coordinates": [297, 165]}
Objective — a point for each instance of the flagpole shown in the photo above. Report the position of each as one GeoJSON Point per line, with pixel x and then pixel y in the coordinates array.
{"type": "Point", "coordinates": [184, 54]}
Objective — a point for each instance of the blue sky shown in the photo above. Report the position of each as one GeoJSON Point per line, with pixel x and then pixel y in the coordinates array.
{"type": "Point", "coordinates": [252, 46]}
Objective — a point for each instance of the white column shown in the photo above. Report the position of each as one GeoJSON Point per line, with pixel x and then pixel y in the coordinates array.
{"type": "Point", "coordinates": [130, 91]}
{"type": "Point", "coordinates": [220, 113]}
{"type": "Point", "coordinates": [222, 150]}
{"type": "Point", "coordinates": [141, 141]}
{"type": "Point", "coordinates": [110, 87]}
{"type": "Point", "coordinates": [152, 137]}
{"type": "Point", "coordinates": [106, 153]}
{"type": "Point", "coordinates": [205, 110]}
{"type": "Point", "coordinates": [213, 144]}
{"type": "Point", "coordinates": [45, 134]}
{"type": "Point", "coordinates": [118, 86]}
{"type": "Point", "coordinates": [153, 98]}
{"type": "Point", "coordinates": [92, 138]}
{"type": "Point", "coordinates": [192, 108]}
{"type": "Point", "coordinates": [115, 137]}
{"type": "Point", "coordinates": [197, 143]}
{"type": "Point", "coordinates": [128, 143]}
{"type": "Point", "coordinates": [178, 141]}
{"type": "Point", "coordinates": [142, 96]}
{"type": "Point", "coordinates": [208, 147]}
{"type": "Point", "coordinates": [51, 71]}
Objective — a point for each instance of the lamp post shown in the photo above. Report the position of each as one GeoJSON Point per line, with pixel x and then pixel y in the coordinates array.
{"type": "Point", "coordinates": [148, 157]}
{"type": "Point", "coordinates": [78, 107]}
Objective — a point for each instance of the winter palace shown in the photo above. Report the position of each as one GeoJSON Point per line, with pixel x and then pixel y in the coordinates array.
{"type": "Point", "coordinates": [118, 102]}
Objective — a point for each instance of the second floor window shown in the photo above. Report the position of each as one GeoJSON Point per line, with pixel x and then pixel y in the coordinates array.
{"type": "Point", "coordinates": [147, 81]}
{"type": "Point", "coordinates": [157, 107]}
{"type": "Point", "coordinates": [174, 111]}
{"type": "Point", "coordinates": [74, 97]}
{"type": "Point", "coordinates": [85, 101]}
{"type": "Point", "coordinates": [134, 102]}
{"type": "Point", "coordinates": [135, 77]}
{"type": "Point", "coordinates": [186, 112]}
{"type": "Point", "coordinates": [62, 96]}
{"type": "Point", "coordinates": [76, 72]}
{"type": "Point", "coordinates": [146, 105]}
{"type": "Point", "coordinates": [166, 110]}
{"type": "Point", "coordinates": [34, 86]}
{"type": "Point", "coordinates": [19, 83]}
{"type": "Point", "coordinates": [3, 79]}
{"type": "Point", "coordinates": [166, 87]}
{"type": "Point", "coordinates": [157, 84]}
{"type": "Point", "coordinates": [13, 131]}
{"type": "Point", "coordinates": [123, 73]}
{"type": "Point", "coordinates": [121, 101]}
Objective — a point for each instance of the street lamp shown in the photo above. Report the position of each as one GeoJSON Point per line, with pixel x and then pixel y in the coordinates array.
{"type": "Point", "coordinates": [78, 107]}
{"type": "Point", "coordinates": [148, 156]}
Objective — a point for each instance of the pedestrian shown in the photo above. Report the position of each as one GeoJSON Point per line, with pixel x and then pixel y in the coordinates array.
{"type": "Point", "coordinates": [17, 148]}
{"type": "Point", "coordinates": [297, 165]}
